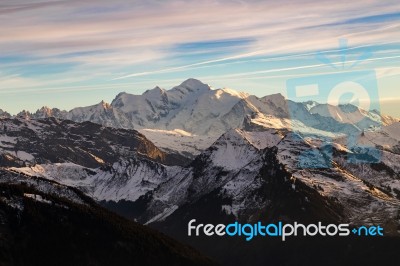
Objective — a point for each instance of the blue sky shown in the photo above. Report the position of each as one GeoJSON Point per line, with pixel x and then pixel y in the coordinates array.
{"type": "Point", "coordinates": [75, 53]}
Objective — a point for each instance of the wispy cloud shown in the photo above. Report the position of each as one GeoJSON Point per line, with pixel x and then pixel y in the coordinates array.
{"type": "Point", "coordinates": [95, 41]}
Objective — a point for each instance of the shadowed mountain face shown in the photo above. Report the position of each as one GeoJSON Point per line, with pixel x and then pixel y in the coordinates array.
{"type": "Point", "coordinates": [88, 144]}
{"type": "Point", "coordinates": [45, 223]}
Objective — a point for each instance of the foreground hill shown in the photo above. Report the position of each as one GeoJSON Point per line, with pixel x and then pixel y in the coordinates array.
{"type": "Point", "coordinates": [45, 223]}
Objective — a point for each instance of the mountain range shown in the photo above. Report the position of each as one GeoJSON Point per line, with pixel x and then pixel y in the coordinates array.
{"type": "Point", "coordinates": [188, 118]}
{"type": "Point", "coordinates": [167, 156]}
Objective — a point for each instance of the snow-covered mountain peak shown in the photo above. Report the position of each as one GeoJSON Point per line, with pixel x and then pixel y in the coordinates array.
{"type": "Point", "coordinates": [4, 114]}
{"type": "Point", "coordinates": [120, 94]}
{"type": "Point", "coordinates": [189, 88]}
{"type": "Point", "coordinates": [257, 139]}
{"type": "Point", "coordinates": [194, 85]}
{"type": "Point", "coordinates": [44, 112]}
{"type": "Point", "coordinates": [276, 98]}
{"type": "Point", "coordinates": [85, 111]}
{"type": "Point", "coordinates": [154, 93]}
{"type": "Point", "coordinates": [45, 109]}
{"type": "Point", "coordinates": [232, 150]}
{"type": "Point", "coordinates": [262, 139]}
{"type": "Point", "coordinates": [24, 114]}
{"type": "Point", "coordinates": [275, 105]}
{"type": "Point", "coordinates": [236, 136]}
{"type": "Point", "coordinates": [104, 105]}
{"type": "Point", "coordinates": [101, 106]}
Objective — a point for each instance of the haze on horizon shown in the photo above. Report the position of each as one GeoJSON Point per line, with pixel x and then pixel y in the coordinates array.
{"type": "Point", "coordinates": [66, 54]}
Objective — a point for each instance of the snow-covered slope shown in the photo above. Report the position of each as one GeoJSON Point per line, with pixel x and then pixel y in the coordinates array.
{"type": "Point", "coordinates": [123, 180]}
{"type": "Point", "coordinates": [360, 197]}
{"type": "Point", "coordinates": [385, 138]}
{"type": "Point", "coordinates": [241, 173]}
{"type": "Point", "coordinates": [247, 175]}
{"type": "Point", "coordinates": [178, 140]}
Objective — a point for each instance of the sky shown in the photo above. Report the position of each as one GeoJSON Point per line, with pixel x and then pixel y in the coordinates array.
{"type": "Point", "coordinates": [74, 53]}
